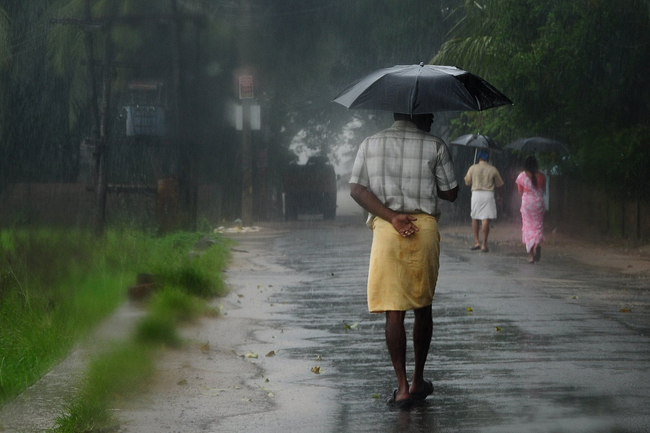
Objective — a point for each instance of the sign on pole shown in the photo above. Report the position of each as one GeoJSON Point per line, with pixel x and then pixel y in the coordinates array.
{"type": "Point", "coordinates": [255, 117]}
{"type": "Point", "coordinates": [246, 87]}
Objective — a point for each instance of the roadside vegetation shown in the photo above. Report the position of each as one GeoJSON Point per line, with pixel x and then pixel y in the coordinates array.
{"type": "Point", "coordinates": [124, 369]}
{"type": "Point", "coordinates": [57, 285]}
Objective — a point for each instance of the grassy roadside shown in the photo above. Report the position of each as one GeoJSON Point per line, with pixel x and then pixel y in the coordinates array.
{"type": "Point", "coordinates": [125, 369]}
{"type": "Point", "coordinates": [55, 286]}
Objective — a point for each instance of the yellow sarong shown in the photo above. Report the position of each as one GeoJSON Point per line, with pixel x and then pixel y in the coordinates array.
{"type": "Point", "coordinates": [403, 271]}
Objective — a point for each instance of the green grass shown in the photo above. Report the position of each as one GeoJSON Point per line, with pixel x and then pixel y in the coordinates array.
{"type": "Point", "coordinates": [56, 285]}
{"type": "Point", "coordinates": [167, 308]}
{"type": "Point", "coordinates": [125, 370]}
{"type": "Point", "coordinates": [199, 274]}
{"type": "Point", "coordinates": [119, 373]}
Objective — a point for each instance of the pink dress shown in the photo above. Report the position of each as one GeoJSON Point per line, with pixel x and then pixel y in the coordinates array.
{"type": "Point", "coordinates": [532, 210]}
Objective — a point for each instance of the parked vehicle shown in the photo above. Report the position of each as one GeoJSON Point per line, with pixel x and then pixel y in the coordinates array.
{"type": "Point", "coordinates": [310, 189]}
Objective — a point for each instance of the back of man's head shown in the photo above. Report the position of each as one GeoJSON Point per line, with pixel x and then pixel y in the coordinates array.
{"type": "Point", "coordinates": [422, 121]}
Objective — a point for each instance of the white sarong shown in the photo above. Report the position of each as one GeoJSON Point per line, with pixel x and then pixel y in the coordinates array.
{"type": "Point", "coordinates": [484, 207]}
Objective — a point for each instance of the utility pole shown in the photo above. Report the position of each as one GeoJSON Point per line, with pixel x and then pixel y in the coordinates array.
{"type": "Point", "coordinates": [100, 116]}
{"type": "Point", "coordinates": [90, 69]}
{"type": "Point", "coordinates": [101, 112]}
{"type": "Point", "coordinates": [178, 100]}
{"type": "Point", "coordinates": [246, 150]}
{"type": "Point", "coordinates": [102, 148]}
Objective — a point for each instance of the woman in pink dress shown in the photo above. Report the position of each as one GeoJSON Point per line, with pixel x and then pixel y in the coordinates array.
{"type": "Point", "coordinates": [531, 185]}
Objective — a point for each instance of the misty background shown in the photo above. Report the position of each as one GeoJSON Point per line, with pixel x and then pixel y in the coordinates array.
{"type": "Point", "coordinates": [72, 72]}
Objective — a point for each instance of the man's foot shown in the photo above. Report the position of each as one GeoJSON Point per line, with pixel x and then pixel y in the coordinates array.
{"type": "Point", "coordinates": [426, 391]}
{"type": "Point", "coordinates": [400, 404]}
{"type": "Point", "coordinates": [475, 247]}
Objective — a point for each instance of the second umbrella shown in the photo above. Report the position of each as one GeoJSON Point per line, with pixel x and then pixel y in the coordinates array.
{"type": "Point", "coordinates": [538, 144]}
{"type": "Point", "coordinates": [474, 140]}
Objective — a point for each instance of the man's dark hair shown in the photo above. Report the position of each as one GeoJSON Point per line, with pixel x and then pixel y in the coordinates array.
{"type": "Point", "coordinates": [404, 116]}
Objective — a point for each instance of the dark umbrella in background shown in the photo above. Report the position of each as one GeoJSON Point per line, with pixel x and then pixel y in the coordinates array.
{"type": "Point", "coordinates": [477, 141]}
{"type": "Point", "coordinates": [421, 89]}
{"type": "Point", "coordinates": [538, 144]}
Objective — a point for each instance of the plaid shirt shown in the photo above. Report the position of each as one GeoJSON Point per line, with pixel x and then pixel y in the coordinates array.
{"type": "Point", "coordinates": [402, 166]}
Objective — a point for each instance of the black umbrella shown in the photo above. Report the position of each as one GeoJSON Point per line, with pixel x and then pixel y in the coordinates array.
{"type": "Point", "coordinates": [474, 140]}
{"type": "Point", "coordinates": [538, 144]}
{"type": "Point", "coordinates": [421, 89]}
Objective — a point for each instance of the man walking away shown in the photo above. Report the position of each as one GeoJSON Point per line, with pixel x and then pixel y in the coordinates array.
{"type": "Point", "coordinates": [484, 179]}
{"type": "Point", "coordinates": [398, 176]}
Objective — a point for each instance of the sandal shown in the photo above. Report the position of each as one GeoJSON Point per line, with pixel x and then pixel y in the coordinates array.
{"type": "Point", "coordinates": [399, 404]}
{"type": "Point", "coordinates": [428, 390]}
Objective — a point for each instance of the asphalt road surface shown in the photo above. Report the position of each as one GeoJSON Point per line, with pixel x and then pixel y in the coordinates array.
{"type": "Point", "coordinates": [515, 347]}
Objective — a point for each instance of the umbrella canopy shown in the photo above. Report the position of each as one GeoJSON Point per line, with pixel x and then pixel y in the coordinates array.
{"type": "Point", "coordinates": [421, 89]}
{"type": "Point", "coordinates": [538, 144]}
{"type": "Point", "coordinates": [474, 140]}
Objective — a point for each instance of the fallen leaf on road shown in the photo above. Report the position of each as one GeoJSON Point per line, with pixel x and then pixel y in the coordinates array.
{"type": "Point", "coordinates": [206, 347]}
{"type": "Point", "coordinates": [498, 328]}
{"type": "Point", "coordinates": [316, 370]}
{"type": "Point", "coordinates": [251, 355]}
{"type": "Point", "coordinates": [469, 309]}
{"type": "Point", "coordinates": [375, 395]}
{"type": "Point", "coordinates": [271, 353]}
{"type": "Point", "coordinates": [625, 310]}
{"type": "Point", "coordinates": [213, 392]}
{"type": "Point", "coordinates": [318, 357]}
{"type": "Point", "coordinates": [271, 394]}
{"type": "Point", "coordinates": [182, 382]}
{"type": "Point", "coordinates": [240, 296]}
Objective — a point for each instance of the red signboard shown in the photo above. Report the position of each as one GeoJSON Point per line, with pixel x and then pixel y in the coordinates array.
{"type": "Point", "coordinates": [246, 87]}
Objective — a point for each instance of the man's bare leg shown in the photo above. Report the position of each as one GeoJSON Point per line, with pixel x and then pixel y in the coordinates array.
{"type": "Point", "coordinates": [422, 332]}
{"type": "Point", "coordinates": [486, 232]}
{"type": "Point", "coordinates": [475, 227]}
{"type": "Point", "coordinates": [396, 342]}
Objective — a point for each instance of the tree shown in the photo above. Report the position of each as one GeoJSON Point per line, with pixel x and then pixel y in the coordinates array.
{"type": "Point", "coordinates": [310, 51]}
{"type": "Point", "coordinates": [575, 70]}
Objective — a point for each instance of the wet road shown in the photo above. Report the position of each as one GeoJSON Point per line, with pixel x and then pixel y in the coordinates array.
{"type": "Point", "coordinates": [542, 349]}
